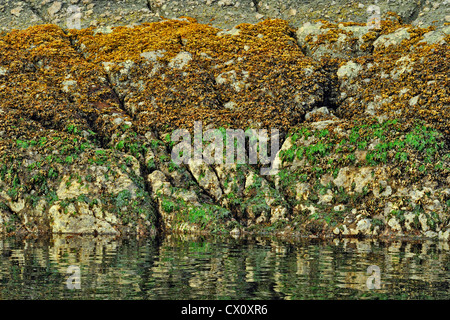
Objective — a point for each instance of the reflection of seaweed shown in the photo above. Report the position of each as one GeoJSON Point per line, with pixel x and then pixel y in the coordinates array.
{"type": "Point", "coordinates": [192, 267]}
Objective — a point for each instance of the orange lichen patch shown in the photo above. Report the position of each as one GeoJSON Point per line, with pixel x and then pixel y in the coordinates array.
{"type": "Point", "coordinates": [415, 36]}
{"type": "Point", "coordinates": [128, 43]}
{"type": "Point", "coordinates": [368, 39]}
{"type": "Point", "coordinates": [394, 74]}
{"type": "Point", "coordinates": [332, 34]}
{"type": "Point", "coordinates": [391, 25]}
{"type": "Point", "coordinates": [347, 40]}
{"type": "Point", "coordinates": [47, 80]}
{"type": "Point", "coordinates": [254, 76]}
{"type": "Point", "coordinates": [259, 69]}
{"type": "Point", "coordinates": [447, 38]}
{"type": "Point", "coordinates": [404, 82]}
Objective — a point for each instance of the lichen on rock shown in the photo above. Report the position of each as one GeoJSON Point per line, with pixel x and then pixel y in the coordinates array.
{"type": "Point", "coordinates": [86, 118]}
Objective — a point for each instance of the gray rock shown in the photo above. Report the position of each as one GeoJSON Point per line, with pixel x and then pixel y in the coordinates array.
{"type": "Point", "coordinates": [72, 222]}
{"type": "Point", "coordinates": [349, 70]}
{"type": "Point", "coordinates": [180, 60]}
{"type": "Point", "coordinates": [347, 45]}
{"type": "Point", "coordinates": [3, 71]}
{"type": "Point", "coordinates": [363, 226]}
{"type": "Point", "coordinates": [321, 110]}
{"type": "Point", "coordinates": [222, 14]}
{"type": "Point", "coordinates": [436, 36]}
{"type": "Point", "coordinates": [13, 16]}
{"type": "Point", "coordinates": [394, 39]}
{"type": "Point", "coordinates": [206, 178]}
{"type": "Point", "coordinates": [54, 8]}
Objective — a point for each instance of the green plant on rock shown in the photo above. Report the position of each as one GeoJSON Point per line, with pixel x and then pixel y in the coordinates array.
{"type": "Point", "coordinates": [151, 164]}
{"type": "Point", "coordinates": [120, 145]}
{"type": "Point", "coordinates": [377, 222]}
{"type": "Point", "coordinates": [173, 166]}
{"type": "Point", "coordinates": [52, 174]}
{"type": "Point", "coordinates": [198, 215]}
{"type": "Point", "coordinates": [22, 144]}
{"type": "Point", "coordinates": [72, 129]}
{"type": "Point", "coordinates": [287, 155]}
{"type": "Point", "coordinates": [11, 224]}
{"type": "Point", "coordinates": [123, 198]}
{"type": "Point", "coordinates": [169, 206]}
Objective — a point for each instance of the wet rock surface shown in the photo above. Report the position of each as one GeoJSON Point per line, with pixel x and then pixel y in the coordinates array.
{"type": "Point", "coordinates": [87, 117]}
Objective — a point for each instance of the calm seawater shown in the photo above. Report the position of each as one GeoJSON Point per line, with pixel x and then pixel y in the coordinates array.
{"type": "Point", "coordinates": [222, 268]}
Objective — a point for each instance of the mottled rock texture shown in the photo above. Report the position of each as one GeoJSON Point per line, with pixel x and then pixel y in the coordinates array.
{"type": "Point", "coordinates": [219, 13]}
{"type": "Point", "coordinates": [87, 117]}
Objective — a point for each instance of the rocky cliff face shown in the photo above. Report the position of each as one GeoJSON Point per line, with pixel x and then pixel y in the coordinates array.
{"type": "Point", "coordinates": [219, 13]}
{"type": "Point", "coordinates": [88, 115]}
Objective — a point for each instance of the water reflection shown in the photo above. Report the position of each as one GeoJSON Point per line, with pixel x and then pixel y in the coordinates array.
{"type": "Point", "coordinates": [221, 268]}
